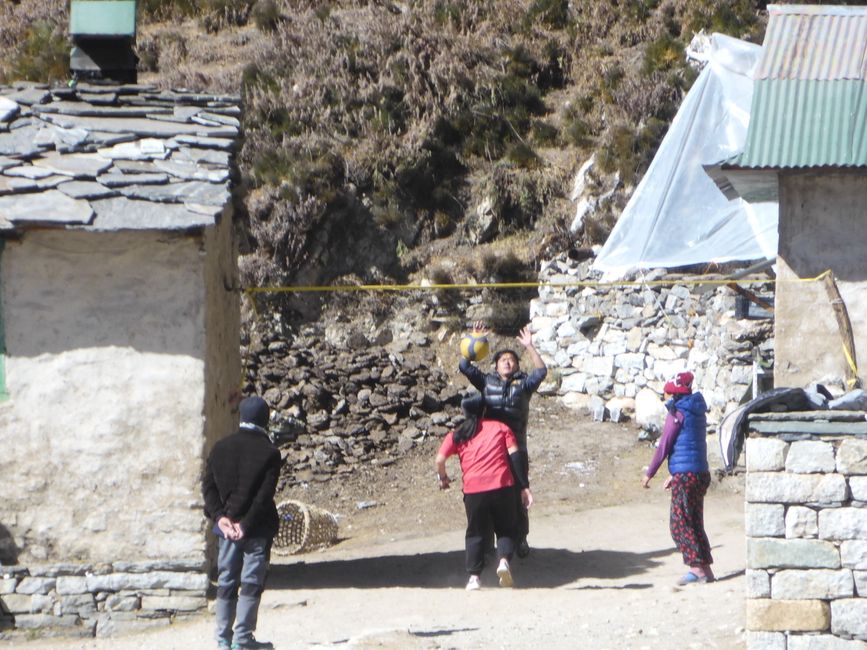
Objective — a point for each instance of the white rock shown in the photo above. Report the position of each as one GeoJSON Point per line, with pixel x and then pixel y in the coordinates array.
{"type": "Point", "coordinates": [765, 520]}
{"type": "Point", "coordinates": [765, 454]}
{"type": "Point", "coordinates": [810, 456]}
{"type": "Point", "coordinates": [649, 410]}
{"type": "Point", "coordinates": [843, 523]}
{"type": "Point", "coordinates": [801, 522]}
{"type": "Point", "coordinates": [816, 583]}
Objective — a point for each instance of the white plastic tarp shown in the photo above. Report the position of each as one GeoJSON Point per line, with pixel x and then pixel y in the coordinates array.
{"type": "Point", "coordinates": [677, 216]}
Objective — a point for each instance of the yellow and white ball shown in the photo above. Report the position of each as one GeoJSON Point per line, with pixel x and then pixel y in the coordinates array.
{"type": "Point", "coordinates": [474, 346]}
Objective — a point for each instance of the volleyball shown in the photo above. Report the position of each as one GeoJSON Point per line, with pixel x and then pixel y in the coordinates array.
{"type": "Point", "coordinates": [474, 346]}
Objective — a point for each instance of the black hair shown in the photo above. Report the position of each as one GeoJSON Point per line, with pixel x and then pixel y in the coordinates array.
{"type": "Point", "coordinates": [506, 351]}
{"type": "Point", "coordinates": [466, 430]}
{"type": "Point", "coordinates": [671, 404]}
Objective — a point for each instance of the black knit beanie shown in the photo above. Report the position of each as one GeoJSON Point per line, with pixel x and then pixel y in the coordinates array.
{"type": "Point", "coordinates": [255, 410]}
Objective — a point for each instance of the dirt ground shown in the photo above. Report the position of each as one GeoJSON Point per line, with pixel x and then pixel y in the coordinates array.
{"type": "Point", "coordinates": [602, 572]}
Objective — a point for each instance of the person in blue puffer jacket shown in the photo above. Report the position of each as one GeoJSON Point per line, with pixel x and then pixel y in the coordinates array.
{"type": "Point", "coordinates": [684, 444]}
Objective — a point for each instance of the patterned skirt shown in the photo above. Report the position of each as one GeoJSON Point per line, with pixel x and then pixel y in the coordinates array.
{"type": "Point", "coordinates": [687, 517]}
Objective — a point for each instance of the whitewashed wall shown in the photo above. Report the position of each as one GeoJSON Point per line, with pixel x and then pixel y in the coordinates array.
{"type": "Point", "coordinates": [102, 433]}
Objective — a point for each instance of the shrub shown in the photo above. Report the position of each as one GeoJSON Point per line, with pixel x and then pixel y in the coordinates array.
{"type": "Point", "coordinates": [217, 14]}
{"type": "Point", "coordinates": [617, 152]}
{"type": "Point", "coordinates": [443, 224]}
{"type": "Point", "coordinates": [576, 130]}
{"type": "Point", "coordinates": [448, 13]}
{"type": "Point", "coordinates": [501, 267]}
{"type": "Point", "coordinates": [543, 133]}
{"type": "Point", "coordinates": [551, 13]}
{"type": "Point", "coordinates": [611, 77]}
{"type": "Point", "coordinates": [552, 70]}
{"type": "Point", "coordinates": [159, 10]}
{"type": "Point", "coordinates": [43, 56]}
{"type": "Point", "coordinates": [522, 155]}
{"type": "Point", "coordinates": [266, 15]}
{"type": "Point", "coordinates": [662, 54]}
{"type": "Point", "coordinates": [735, 17]}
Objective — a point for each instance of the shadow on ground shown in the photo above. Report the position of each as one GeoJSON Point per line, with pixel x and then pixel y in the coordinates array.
{"type": "Point", "coordinates": [544, 569]}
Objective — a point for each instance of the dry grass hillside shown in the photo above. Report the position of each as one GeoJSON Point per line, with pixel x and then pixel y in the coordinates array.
{"type": "Point", "coordinates": [387, 140]}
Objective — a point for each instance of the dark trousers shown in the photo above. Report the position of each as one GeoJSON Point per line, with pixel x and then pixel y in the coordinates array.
{"type": "Point", "coordinates": [486, 511]}
{"type": "Point", "coordinates": [523, 515]}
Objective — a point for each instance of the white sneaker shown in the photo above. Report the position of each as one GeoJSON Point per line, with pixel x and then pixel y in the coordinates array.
{"type": "Point", "coordinates": [504, 573]}
{"type": "Point", "coordinates": [474, 584]}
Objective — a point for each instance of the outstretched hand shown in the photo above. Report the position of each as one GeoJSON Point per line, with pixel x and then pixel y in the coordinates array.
{"type": "Point", "coordinates": [645, 482]}
{"type": "Point", "coordinates": [481, 327]}
{"type": "Point", "coordinates": [525, 337]}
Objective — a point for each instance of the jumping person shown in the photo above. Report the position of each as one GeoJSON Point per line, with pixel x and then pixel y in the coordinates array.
{"type": "Point", "coordinates": [507, 392]}
{"type": "Point", "coordinates": [490, 463]}
{"type": "Point", "coordinates": [684, 444]}
{"type": "Point", "coordinates": [238, 489]}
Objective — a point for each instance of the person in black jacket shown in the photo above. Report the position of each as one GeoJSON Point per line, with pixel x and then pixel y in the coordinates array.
{"type": "Point", "coordinates": [507, 392]}
{"type": "Point", "coordinates": [238, 488]}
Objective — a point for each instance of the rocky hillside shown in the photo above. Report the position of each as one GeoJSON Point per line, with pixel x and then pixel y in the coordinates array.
{"type": "Point", "coordinates": [384, 137]}
{"type": "Point", "coordinates": [403, 141]}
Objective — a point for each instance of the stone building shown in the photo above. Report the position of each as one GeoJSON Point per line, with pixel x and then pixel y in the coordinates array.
{"type": "Point", "coordinates": [805, 518]}
{"type": "Point", "coordinates": [807, 146]}
{"type": "Point", "coordinates": [120, 355]}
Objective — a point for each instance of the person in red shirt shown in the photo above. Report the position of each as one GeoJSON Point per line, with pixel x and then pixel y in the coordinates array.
{"type": "Point", "coordinates": [490, 464]}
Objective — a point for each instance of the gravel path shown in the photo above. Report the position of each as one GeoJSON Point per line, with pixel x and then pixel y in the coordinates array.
{"type": "Point", "coordinates": [598, 578]}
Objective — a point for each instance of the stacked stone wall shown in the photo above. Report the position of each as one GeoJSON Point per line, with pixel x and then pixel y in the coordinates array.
{"type": "Point", "coordinates": [806, 526]}
{"type": "Point", "coordinates": [615, 341]}
{"type": "Point", "coordinates": [99, 600]}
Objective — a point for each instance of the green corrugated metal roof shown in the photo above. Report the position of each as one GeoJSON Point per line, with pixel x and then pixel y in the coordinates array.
{"type": "Point", "coordinates": [102, 18]}
{"type": "Point", "coordinates": [802, 123]}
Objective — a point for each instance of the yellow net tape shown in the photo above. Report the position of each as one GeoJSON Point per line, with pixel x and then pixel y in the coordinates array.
{"type": "Point", "coordinates": [515, 285]}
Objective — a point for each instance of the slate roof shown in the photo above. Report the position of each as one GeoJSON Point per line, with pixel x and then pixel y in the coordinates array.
{"type": "Point", "coordinates": [107, 158]}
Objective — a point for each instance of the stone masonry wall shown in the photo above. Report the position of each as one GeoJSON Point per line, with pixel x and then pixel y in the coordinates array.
{"type": "Point", "coordinates": [806, 526]}
{"type": "Point", "coordinates": [99, 599]}
{"type": "Point", "coordinates": [611, 345]}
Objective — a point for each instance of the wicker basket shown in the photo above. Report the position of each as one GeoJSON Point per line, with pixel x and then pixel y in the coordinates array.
{"type": "Point", "coordinates": [303, 528]}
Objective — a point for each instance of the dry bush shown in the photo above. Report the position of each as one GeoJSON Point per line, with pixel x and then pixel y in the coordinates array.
{"type": "Point", "coordinates": [34, 42]}
{"type": "Point", "coordinates": [280, 228]}
{"type": "Point", "coordinates": [16, 18]}
{"type": "Point", "coordinates": [654, 95]}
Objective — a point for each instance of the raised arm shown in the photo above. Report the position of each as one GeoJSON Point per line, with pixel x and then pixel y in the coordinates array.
{"type": "Point", "coordinates": [525, 338]}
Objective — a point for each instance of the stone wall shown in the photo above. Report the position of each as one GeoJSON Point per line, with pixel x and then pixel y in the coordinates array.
{"type": "Point", "coordinates": [99, 599]}
{"type": "Point", "coordinates": [806, 526]}
{"type": "Point", "coordinates": [621, 342]}
{"type": "Point", "coordinates": [337, 409]}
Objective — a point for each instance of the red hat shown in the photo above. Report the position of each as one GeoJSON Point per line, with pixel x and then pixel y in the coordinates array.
{"type": "Point", "coordinates": [682, 384]}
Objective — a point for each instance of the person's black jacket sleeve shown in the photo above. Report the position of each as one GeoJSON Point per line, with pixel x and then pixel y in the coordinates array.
{"type": "Point", "coordinates": [263, 499]}
{"type": "Point", "coordinates": [210, 493]}
{"type": "Point", "coordinates": [471, 372]}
